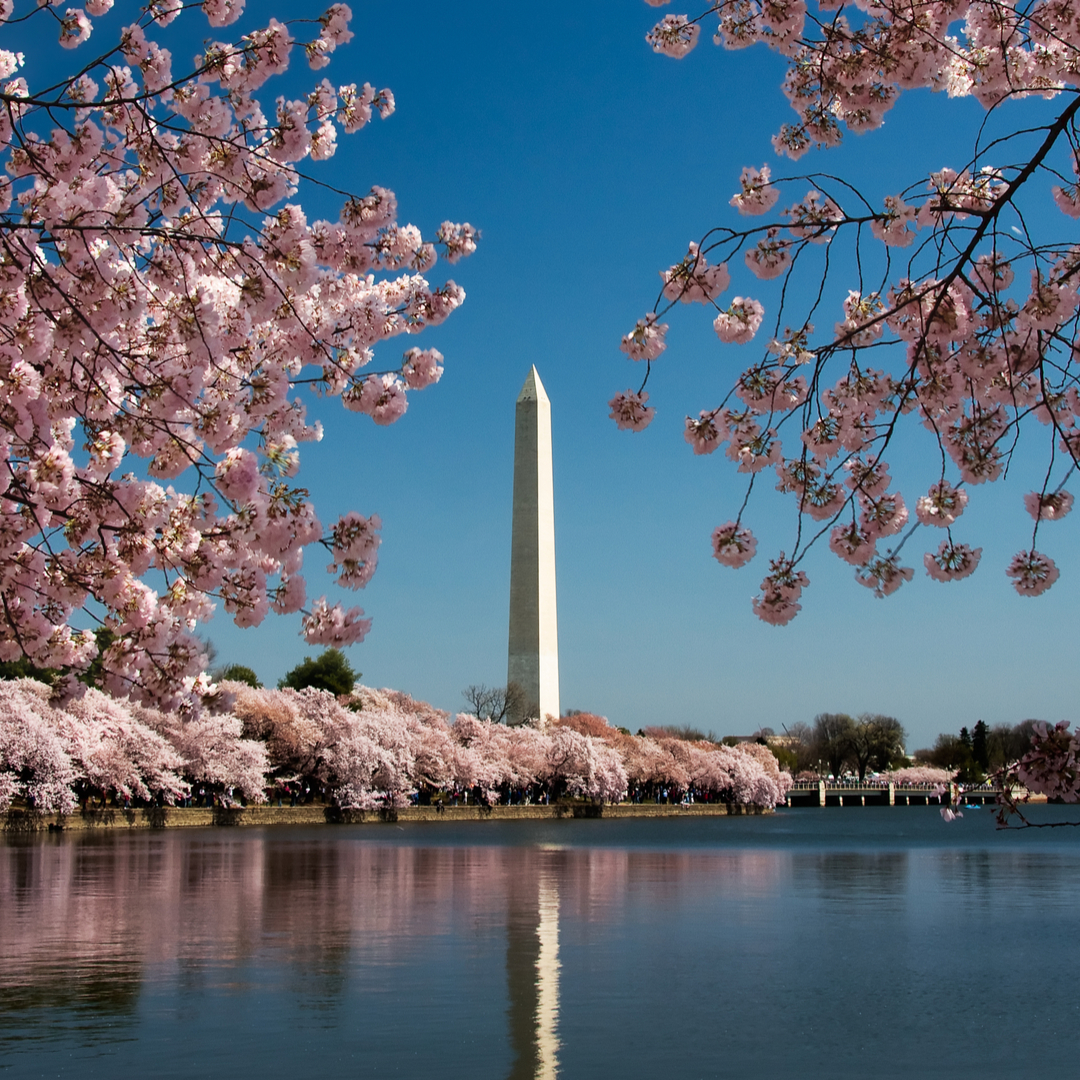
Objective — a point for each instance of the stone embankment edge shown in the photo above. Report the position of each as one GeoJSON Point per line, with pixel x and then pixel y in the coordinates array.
{"type": "Point", "coordinates": [170, 817]}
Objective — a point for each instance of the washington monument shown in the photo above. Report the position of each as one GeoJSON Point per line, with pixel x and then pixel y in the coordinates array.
{"type": "Point", "coordinates": [534, 638]}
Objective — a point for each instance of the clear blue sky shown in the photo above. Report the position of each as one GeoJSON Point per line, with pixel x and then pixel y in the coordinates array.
{"type": "Point", "coordinates": [588, 163]}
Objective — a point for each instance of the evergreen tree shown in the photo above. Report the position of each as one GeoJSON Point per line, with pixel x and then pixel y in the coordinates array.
{"type": "Point", "coordinates": [980, 749]}
{"type": "Point", "coordinates": [238, 673]}
{"type": "Point", "coordinates": [331, 671]}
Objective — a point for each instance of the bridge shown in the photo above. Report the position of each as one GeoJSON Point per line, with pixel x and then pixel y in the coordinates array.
{"type": "Point", "coordinates": [878, 793]}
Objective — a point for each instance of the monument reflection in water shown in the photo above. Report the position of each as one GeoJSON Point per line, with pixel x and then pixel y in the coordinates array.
{"type": "Point", "coordinates": [807, 944]}
{"type": "Point", "coordinates": [532, 975]}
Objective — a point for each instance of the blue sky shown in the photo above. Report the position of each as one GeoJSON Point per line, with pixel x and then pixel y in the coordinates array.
{"type": "Point", "coordinates": [587, 162]}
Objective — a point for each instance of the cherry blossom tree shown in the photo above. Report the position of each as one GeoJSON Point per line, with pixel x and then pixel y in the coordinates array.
{"type": "Point", "coordinates": [919, 776]}
{"type": "Point", "coordinates": [1049, 768]}
{"type": "Point", "coordinates": [374, 755]}
{"type": "Point", "coordinates": [116, 754]}
{"type": "Point", "coordinates": [34, 763]}
{"type": "Point", "coordinates": [765, 786]}
{"type": "Point", "coordinates": [101, 747]}
{"type": "Point", "coordinates": [959, 313]}
{"type": "Point", "coordinates": [579, 765]}
{"type": "Point", "coordinates": [212, 751]}
{"type": "Point", "coordinates": [163, 297]}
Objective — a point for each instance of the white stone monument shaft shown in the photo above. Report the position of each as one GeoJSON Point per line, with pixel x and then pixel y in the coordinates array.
{"type": "Point", "coordinates": [534, 638]}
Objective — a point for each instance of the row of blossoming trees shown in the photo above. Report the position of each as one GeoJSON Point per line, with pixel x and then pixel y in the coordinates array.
{"type": "Point", "coordinates": [377, 748]}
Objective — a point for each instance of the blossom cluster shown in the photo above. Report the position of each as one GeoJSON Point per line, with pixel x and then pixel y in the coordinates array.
{"type": "Point", "coordinates": [975, 338]}
{"type": "Point", "coordinates": [1050, 767]}
{"type": "Point", "coordinates": [162, 297]}
{"type": "Point", "coordinates": [849, 72]}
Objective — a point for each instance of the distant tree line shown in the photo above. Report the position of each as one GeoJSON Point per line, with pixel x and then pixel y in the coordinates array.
{"type": "Point", "coordinates": [837, 744]}
{"type": "Point", "coordinates": [974, 754]}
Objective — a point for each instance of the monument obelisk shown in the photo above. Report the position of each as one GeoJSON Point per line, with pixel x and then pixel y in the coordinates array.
{"type": "Point", "coordinates": [534, 638]}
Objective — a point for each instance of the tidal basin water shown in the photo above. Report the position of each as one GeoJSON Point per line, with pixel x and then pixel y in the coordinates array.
{"type": "Point", "coordinates": [814, 943]}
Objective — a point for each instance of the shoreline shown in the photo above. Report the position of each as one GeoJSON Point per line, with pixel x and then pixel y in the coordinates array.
{"type": "Point", "coordinates": [172, 817]}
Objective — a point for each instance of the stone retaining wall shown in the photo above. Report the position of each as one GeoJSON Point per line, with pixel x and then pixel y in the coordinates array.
{"type": "Point", "coordinates": [197, 817]}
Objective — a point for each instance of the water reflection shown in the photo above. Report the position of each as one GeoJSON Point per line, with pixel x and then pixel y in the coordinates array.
{"type": "Point", "coordinates": [532, 975]}
{"type": "Point", "coordinates": [854, 876]}
{"type": "Point", "coordinates": [90, 922]}
{"type": "Point", "coordinates": [249, 951]}
{"type": "Point", "coordinates": [547, 978]}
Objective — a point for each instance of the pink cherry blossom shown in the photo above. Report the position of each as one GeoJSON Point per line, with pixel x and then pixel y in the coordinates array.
{"type": "Point", "coordinates": [852, 545]}
{"type": "Point", "coordinates": [770, 257]}
{"type": "Point", "coordinates": [164, 11]}
{"type": "Point", "coordinates": [1050, 767]}
{"type": "Point", "coordinates": [964, 343]}
{"type": "Point", "coordinates": [883, 575]}
{"type": "Point", "coordinates": [863, 323]}
{"type": "Point", "coordinates": [993, 272]}
{"type": "Point", "coordinates": [919, 775]}
{"type": "Point", "coordinates": [753, 448]}
{"type": "Point", "coordinates": [333, 626]}
{"type": "Point", "coordinates": [1067, 199]}
{"type": "Point", "coordinates": [222, 12]}
{"type": "Point", "coordinates": [739, 323]}
{"type": "Point", "coordinates": [694, 280]}
{"type": "Point", "coordinates": [764, 389]}
{"type": "Point", "coordinates": [371, 749]}
{"type": "Point", "coordinates": [421, 368]}
{"type": "Point", "coordinates": [883, 515]}
{"type": "Point", "coordinates": [355, 543]}
{"type": "Point", "coordinates": [707, 432]}
{"type": "Point", "coordinates": [1050, 507]}
{"type": "Point", "coordinates": [892, 228]}
{"type": "Point", "coordinates": [941, 505]}
{"type": "Point", "coordinates": [814, 218]}
{"type": "Point", "coordinates": [459, 240]}
{"type": "Point", "coordinates": [646, 340]}
{"type": "Point", "coordinates": [113, 752]}
{"type": "Point", "coordinates": [238, 475]}
{"type": "Point", "coordinates": [758, 195]}
{"type": "Point", "coordinates": [75, 28]}
{"type": "Point", "coordinates": [156, 235]}
{"type": "Point", "coordinates": [733, 546]}
{"type": "Point", "coordinates": [673, 36]}
{"type": "Point", "coordinates": [382, 397]}
{"type": "Point", "coordinates": [952, 561]}
{"type": "Point", "coordinates": [34, 761]}
{"type": "Point", "coordinates": [630, 412]}
{"type": "Point", "coordinates": [780, 592]}
{"type": "Point", "coordinates": [1032, 573]}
